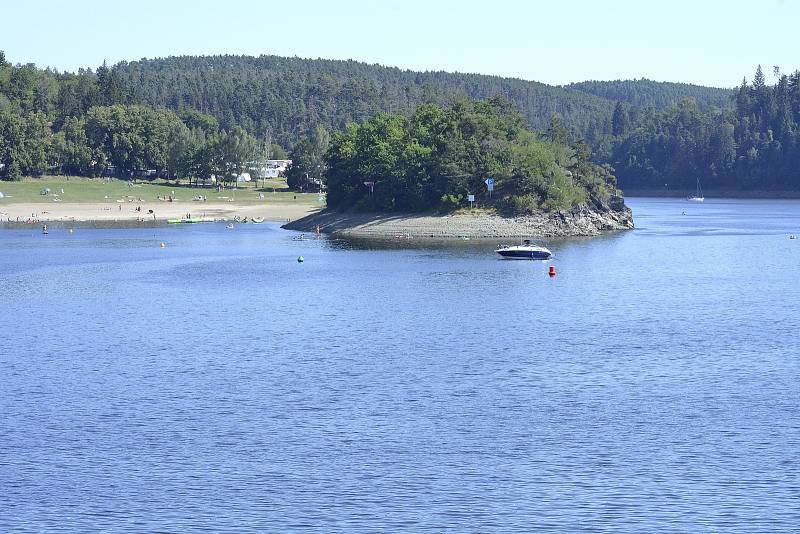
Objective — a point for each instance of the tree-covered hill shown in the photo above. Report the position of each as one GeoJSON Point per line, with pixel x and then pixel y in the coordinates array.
{"type": "Point", "coordinates": [753, 145]}
{"type": "Point", "coordinates": [287, 97]}
{"type": "Point", "coordinates": [659, 95]}
{"type": "Point", "coordinates": [198, 114]}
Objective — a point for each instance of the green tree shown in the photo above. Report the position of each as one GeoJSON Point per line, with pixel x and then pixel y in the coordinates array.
{"type": "Point", "coordinates": [556, 131]}
{"type": "Point", "coordinates": [136, 138]}
{"type": "Point", "coordinates": [234, 150]}
{"type": "Point", "coordinates": [438, 156]}
{"type": "Point", "coordinates": [24, 144]}
{"type": "Point", "coordinates": [193, 119]}
{"type": "Point", "coordinates": [619, 120]}
{"type": "Point", "coordinates": [200, 159]}
{"type": "Point", "coordinates": [277, 152]}
{"type": "Point", "coordinates": [308, 165]}
{"type": "Point", "coordinates": [70, 150]}
{"type": "Point", "coordinates": [758, 80]}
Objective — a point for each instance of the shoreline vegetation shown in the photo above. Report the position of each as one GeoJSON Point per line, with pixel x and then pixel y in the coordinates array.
{"type": "Point", "coordinates": [388, 173]}
{"type": "Point", "coordinates": [397, 172]}
{"type": "Point", "coordinates": [534, 171]}
{"type": "Point", "coordinates": [204, 116]}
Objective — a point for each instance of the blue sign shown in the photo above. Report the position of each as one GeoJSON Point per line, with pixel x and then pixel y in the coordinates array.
{"type": "Point", "coordinates": [489, 183]}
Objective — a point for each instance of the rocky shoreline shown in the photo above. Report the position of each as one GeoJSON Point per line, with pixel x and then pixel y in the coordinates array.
{"type": "Point", "coordinates": [579, 221]}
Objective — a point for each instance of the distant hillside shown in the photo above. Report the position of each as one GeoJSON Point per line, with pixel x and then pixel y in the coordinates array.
{"type": "Point", "coordinates": [219, 107]}
{"type": "Point", "coordinates": [658, 95]}
{"type": "Point", "coordinates": [753, 144]}
{"type": "Point", "coordinates": [286, 97]}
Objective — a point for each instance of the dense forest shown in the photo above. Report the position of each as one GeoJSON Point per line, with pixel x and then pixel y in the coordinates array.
{"type": "Point", "coordinates": [752, 144]}
{"type": "Point", "coordinates": [200, 115]}
{"type": "Point", "coordinates": [74, 124]}
{"type": "Point", "coordinates": [285, 98]}
{"type": "Point", "coordinates": [659, 95]}
{"type": "Point", "coordinates": [439, 156]}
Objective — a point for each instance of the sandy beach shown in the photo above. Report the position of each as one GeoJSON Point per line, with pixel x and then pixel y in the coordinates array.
{"type": "Point", "coordinates": [161, 211]}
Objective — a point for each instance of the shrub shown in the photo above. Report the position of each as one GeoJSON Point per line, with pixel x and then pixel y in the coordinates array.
{"type": "Point", "coordinates": [451, 202]}
{"type": "Point", "coordinates": [525, 204]}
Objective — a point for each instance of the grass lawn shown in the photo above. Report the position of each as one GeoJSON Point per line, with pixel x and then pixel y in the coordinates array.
{"type": "Point", "coordinates": [71, 189]}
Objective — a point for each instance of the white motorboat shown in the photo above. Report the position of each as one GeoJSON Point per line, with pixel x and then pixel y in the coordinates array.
{"type": "Point", "coordinates": [525, 251]}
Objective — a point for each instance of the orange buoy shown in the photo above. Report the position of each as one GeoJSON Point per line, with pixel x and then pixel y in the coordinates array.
{"type": "Point", "coordinates": [552, 271]}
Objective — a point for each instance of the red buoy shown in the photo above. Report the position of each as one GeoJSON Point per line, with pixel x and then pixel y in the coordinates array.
{"type": "Point", "coordinates": [552, 271]}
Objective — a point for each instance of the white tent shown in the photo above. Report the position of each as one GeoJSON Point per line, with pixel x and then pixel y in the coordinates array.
{"type": "Point", "coordinates": [244, 177]}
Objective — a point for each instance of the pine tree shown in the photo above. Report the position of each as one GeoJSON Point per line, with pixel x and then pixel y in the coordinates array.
{"type": "Point", "coordinates": [619, 120]}
{"type": "Point", "coordinates": [743, 98]}
{"type": "Point", "coordinates": [758, 80]}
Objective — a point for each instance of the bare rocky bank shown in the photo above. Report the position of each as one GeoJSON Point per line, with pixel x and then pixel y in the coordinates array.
{"type": "Point", "coordinates": [579, 221]}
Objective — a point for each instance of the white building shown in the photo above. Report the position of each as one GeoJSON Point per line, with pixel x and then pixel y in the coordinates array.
{"type": "Point", "coordinates": [280, 164]}
{"type": "Point", "coordinates": [271, 169]}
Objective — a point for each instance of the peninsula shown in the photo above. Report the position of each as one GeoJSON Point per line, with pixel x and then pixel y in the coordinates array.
{"type": "Point", "coordinates": [424, 176]}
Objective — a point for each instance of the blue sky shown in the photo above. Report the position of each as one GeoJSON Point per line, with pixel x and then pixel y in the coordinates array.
{"type": "Point", "coordinates": [557, 42]}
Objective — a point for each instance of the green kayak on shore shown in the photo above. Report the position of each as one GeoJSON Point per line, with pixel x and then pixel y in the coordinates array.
{"type": "Point", "coordinates": [184, 221]}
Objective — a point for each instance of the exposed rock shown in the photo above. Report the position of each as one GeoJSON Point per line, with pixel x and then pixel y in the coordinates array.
{"type": "Point", "coordinates": [579, 221]}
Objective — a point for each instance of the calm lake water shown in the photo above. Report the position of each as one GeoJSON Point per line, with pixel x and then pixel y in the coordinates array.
{"type": "Point", "coordinates": [218, 384]}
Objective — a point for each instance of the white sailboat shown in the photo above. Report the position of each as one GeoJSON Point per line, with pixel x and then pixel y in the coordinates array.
{"type": "Point", "coordinates": [698, 196]}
